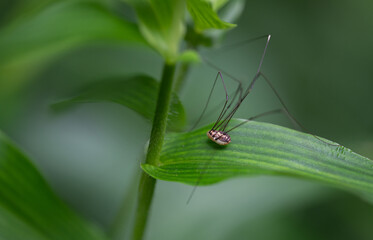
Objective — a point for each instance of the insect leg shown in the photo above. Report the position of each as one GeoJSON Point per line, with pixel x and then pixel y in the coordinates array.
{"type": "Point", "coordinates": [289, 115]}
{"type": "Point", "coordinates": [208, 100]}
{"type": "Point", "coordinates": [249, 88]}
{"type": "Point", "coordinates": [257, 116]}
{"type": "Point", "coordinates": [226, 101]}
{"type": "Point", "coordinates": [231, 46]}
{"type": "Point", "coordinates": [257, 75]}
{"type": "Point", "coordinates": [224, 122]}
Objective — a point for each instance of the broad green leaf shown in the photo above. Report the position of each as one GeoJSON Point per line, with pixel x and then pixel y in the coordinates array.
{"type": "Point", "coordinates": [28, 207]}
{"type": "Point", "coordinates": [28, 45]}
{"type": "Point", "coordinates": [205, 17]}
{"type": "Point", "coordinates": [138, 93]}
{"type": "Point", "coordinates": [162, 24]}
{"type": "Point", "coordinates": [261, 148]}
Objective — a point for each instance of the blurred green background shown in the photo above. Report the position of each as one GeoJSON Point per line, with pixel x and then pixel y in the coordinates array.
{"type": "Point", "coordinates": [319, 59]}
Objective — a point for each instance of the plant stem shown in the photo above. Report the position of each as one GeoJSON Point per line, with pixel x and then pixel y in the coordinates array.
{"type": "Point", "coordinates": [147, 183]}
{"type": "Point", "coordinates": [145, 197]}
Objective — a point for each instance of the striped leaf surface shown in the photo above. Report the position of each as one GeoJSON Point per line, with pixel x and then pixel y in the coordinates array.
{"type": "Point", "coordinates": [261, 148]}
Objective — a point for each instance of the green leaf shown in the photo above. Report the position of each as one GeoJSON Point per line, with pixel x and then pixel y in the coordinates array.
{"type": "Point", "coordinates": [205, 17]}
{"type": "Point", "coordinates": [217, 4]}
{"type": "Point", "coordinates": [28, 207]}
{"type": "Point", "coordinates": [162, 24]}
{"type": "Point", "coordinates": [29, 44]}
{"type": "Point", "coordinates": [189, 56]}
{"type": "Point", "coordinates": [261, 148]}
{"type": "Point", "coordinates": [232, 10]}
{"type": "Point", "coordinates": [138, 93]}
{"type": "Point", "coordinates": [195, 39]}
{"type": "Point", "coordinates": [16, 10]}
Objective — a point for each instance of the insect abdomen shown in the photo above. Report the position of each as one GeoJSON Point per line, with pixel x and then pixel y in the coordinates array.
{"type": "Point", "coordinates": [219, 137]}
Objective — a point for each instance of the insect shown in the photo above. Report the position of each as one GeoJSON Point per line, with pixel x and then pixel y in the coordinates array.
{"type": "Point", "coordinates": [219, 133]}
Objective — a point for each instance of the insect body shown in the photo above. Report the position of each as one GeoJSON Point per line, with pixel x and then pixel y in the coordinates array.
{"type": "Point", "coordinates": [219, 137]}
{"type": "Point", "coordinates": [218, 132]}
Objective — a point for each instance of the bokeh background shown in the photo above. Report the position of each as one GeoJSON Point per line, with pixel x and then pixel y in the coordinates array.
{"type": "Point", "coordinates": [320, 61]}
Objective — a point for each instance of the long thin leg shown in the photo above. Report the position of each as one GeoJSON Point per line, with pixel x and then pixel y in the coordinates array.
{"type": "Point", "coordinates": [249, 88]}
{"type": "Point", "coordinates": [223, 124]}
{"type": "Point", "coordinates": [218, 123]}
{"type": "Point", "coordinates": [286, 111]}
{"type": "Point", "coordinates": [231, 46]}
{"type": "Point", "coordinates": [289, 115]}
{"type": "Point", "coordinates": [239, 89]}
{"type": "Point", "coordinates": [208, 100]}
{"type": "Point", "coordinates": [226, 100]}
{"type": "Point", "coordinates": [218, 69]}
{"type": "Point", "coordinates": [217, 107]}
{"type": "Point", "coordinates": [257, 116]}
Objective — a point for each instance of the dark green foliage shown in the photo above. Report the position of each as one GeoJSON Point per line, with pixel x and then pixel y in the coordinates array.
{"type": "Point", "coordinates": [138, 93]}
{"type": "Point", "coordinates": [28, 207]}
{"type": "Point", "coordinates": [28, 45]}
{"type": "Point", "coordinates": [34, 34]}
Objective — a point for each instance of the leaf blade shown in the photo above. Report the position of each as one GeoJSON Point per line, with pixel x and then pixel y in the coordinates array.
{"type": "Point", "coordinates": [261, 148]}
{"type": "Point", "coordinates": [162, 24]}
{"type": "Point", "coordinates": [28, 45]}
{"type": "Point", "coordinates": [138, 93]}
{"type": "Point", "coordinates": [205, 17]}
{"type": "Point", "coordinates": [29, 208]}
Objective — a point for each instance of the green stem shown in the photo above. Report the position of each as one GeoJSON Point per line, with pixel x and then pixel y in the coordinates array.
{"type": "Point", "coordinates": [147, 183]}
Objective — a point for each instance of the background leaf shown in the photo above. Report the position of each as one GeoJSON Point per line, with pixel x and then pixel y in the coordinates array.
{"type": "Point", "coordinates": [189, 56]}
{"type": "Point", "coordinates": [28, 207]}
{"type": "Point", "coordinates": [262, 148]}
{"type": "Point", "coordinates": [28, 45]}
{"type": "Point", "coordinates": [138, 93]}
{"type": "Point", "coordinates": [217, 4]}
{"type": "Point", "coordinates": [205, 17]}
{"type": "Point", "coordinates": [15, 10]}
{"type": "Point", "coordinates": [162, 24]}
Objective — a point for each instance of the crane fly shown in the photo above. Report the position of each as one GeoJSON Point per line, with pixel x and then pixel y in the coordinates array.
{"type": "Point", "coordinates": [219, 133]}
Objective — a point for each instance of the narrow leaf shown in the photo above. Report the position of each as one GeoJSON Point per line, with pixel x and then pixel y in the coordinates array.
{"type": "Point", "coordinates": [28, 207]}
{"type": "Point", "coordinates": [205, 17]}
{"type": "Point", "coordinates": [262, 148]}
{"type": "Point", "coordinates": [138, 93]}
